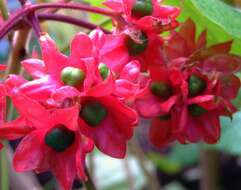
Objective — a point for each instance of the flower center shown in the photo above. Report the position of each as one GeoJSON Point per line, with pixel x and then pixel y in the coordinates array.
{"type": "Point", "coordinates": [196, 110]}
{"type": "Point", "coordinates": [59, 138]}
{"type": "Point", "coordinates": [165, 117]}
{"type": "Point", "coordinates": [93, 113]}
{"type": "Point", "coordinates": [72, 76]}
{"type": "Point", "coordinates": [104, 70]}
{"type": "Point", "coordinates": [196, 85]}
{"type": "Point", "coordinates": [142, 8]}
{"type": "Point", "coordinates": [161, 90]}
{"type": "Point", "coordinates": [135, 48]}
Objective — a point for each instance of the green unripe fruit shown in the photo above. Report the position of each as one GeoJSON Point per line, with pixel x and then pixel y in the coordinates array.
{"type": "Point", "coordinates": [135, 48]}
{"type": "Point", "coordinates": [142, 8]}
{"type": "Point", "coordinates": [104, 70]}
{"type": "Point", "coordinates": [161, 90]}
{"type": "Point", "coordinates": [93, 113]}
{"type": "Point", "coordinates": [72, 76]}
{"type": "Point", "coordinates": [196, 85]}
{"type": "Point", "coordinates": [59, 138]}
{"type": "Point", "coordinates": [196, 110]}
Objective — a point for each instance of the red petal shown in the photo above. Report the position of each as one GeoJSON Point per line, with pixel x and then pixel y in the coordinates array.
{"type": "Point", "coordinates": [176, 47]}
{"type": "Point", "coordinates": [224, 63]}
{"type": "Point", "coordinates": [28, 154]}
{"type": "Point", "coordinates": [64, 170]}
{"type": "Point", "coordinates": [31, 110]}
{"type": "Point", "coordinates": [160, 132]}
{"type": "Point", "coordinates": [230, 86]}
{"type": "Point", "coordinates": [34, 67]}
{"type": "Point", "coordinates": [53, 59]}
{"type": "Point", "coordinates": [85, 146]}
{"type": "Point", "coordinates": [103, 88]}
{"type": "Point", "coordinates": [81, 46]}
{"type": "Point", "coordinates": [221, 48]}
{"type": "Point", "coordinates": [3, 67]}
{"type": "Point", "coordinates": [125, 88]}
{"type": "Point", "coordinates": [202, 40]}
{"type": "Point", "coordinates": [14, 129]}
{"type": "Point", "coordinates": [211, 128]}
{"type": "Point", "coordinates": [68, 117]}
{"type": "Point", "coordinates": [39, 89]}
{"type": "Point", "coordinates": [187, 32]}
{"type": "Point", "coordinates": [131, 71]}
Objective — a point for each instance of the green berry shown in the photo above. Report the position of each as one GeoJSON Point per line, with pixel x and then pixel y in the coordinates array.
{"type": "Point", "coordinates": [196, 110]}
{"type": "Point", "coordinates": [135, 48]}
{"type": "Point", "coordinates": [59, 138]}
{"type": "Point", "coordinates": [93, 113]}
{"type": "Point", "coordinates": [142, 8]}
{"type": "Point", "coordinates": [196, 85]}
{"type": "Point", "coordinates": [104, 71]}
{"type": "Point", "coordinates": [72, 76]}
{"type": "Point", "coordinates": [161, 90]}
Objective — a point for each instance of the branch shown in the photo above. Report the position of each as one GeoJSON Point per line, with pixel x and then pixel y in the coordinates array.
{"type": "Point", "coordinates": [70, 20]}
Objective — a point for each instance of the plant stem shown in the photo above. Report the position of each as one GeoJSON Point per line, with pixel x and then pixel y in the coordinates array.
{"type": "Point", "coordinates": [17, 18]}
{"type": "Point", "coordinates": [209, 170]}
{"type": "Point", "coordinates": [4, 169]}
{"type": "Point", "coordinates": [89, 185]}
{"type": "Point", "coordinates": [73, 6]}
{"type": "Point", "coordinates": [4, 9]}
{"type": "Point", "coordinates": [70, 20]}
{"type": "Point", "coordinates": [152, 180]}
{"type": "Point", "coordinates": [18, 51]}
{"type": "Point", "coordinates": [129, 176]}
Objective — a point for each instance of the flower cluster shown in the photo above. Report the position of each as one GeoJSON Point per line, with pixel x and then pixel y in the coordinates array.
{"type": "Point", "coordinates": [95, 96]}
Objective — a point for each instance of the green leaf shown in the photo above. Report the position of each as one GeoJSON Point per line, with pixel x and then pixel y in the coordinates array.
{"type": "Point", "coordinates": [221, 20]}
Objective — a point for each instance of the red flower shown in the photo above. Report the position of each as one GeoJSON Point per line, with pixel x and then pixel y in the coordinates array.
{"type": "Point", "coordinates": [146, 14]}
{"type": "Point", "coordinates": [107, 121]}
{"type": "Point", "coordinates": [128, 82]}
{"type": "Point", "coordinates": [161, 93]}
{"type": "Point", "coordinates": [53, 142]}
{"type": "Point", "coordinates": [79, 70]}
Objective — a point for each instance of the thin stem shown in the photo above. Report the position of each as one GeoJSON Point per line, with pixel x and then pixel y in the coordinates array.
{"type": "Point", "coordinates": [74, 6]}
{"type": "Point", "coordinates": [209, 170]}
{"type": "Point", "coordinates": [31, 18]}
{"type": "Point", "coordinates": [129, 176]}
{"type": "Point", "coordinates": [152, 180]}
{"type": "Point", "coordinates": [17, 18]}
{"type": "Point", "coordinates": [4, 169]}
{"type": "Point", "coordinates": [34, 22]}
{"type": "Point", "coordinates": [18, 52]}
{"type": "Point", "coordinates": [89, 185]}
{"type": "Point", "coordinates": [4, 9]}
{"type": "Point", "coordinates": [70, 20]}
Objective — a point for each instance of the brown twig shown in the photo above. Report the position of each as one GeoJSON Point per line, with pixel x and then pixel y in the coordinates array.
{"type": "Point", "coordinates": [209, 170]}
{"type": "Point", "coordinates": [129, 175]}
{"type": "Point", "coordinates": [153, 182]}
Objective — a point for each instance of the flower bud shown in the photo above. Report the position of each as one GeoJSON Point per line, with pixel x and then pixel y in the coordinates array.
{"type": "Point", "coordinates": [104, 70]}
{"type": "Point", "coordinates": [59, 138]}
{"type": "Point", "coordinates": [142, 8]}
{"type": "Point", "coordinates": [196, 85]}
{"type": "Point", "coordinates": [93, 113]}
{"type": "Point", "coordinates": [161, 90]}
{"type": "Point", "coordinates": [196, 110]}
{"type": "Point", "coordinates": [72, 76]}
{"type": "Point", "coordinates": [135, 48]}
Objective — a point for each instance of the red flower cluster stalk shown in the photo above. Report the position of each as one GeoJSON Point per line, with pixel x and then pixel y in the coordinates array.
{"type": "Point", "coordinates": [95, 96]}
